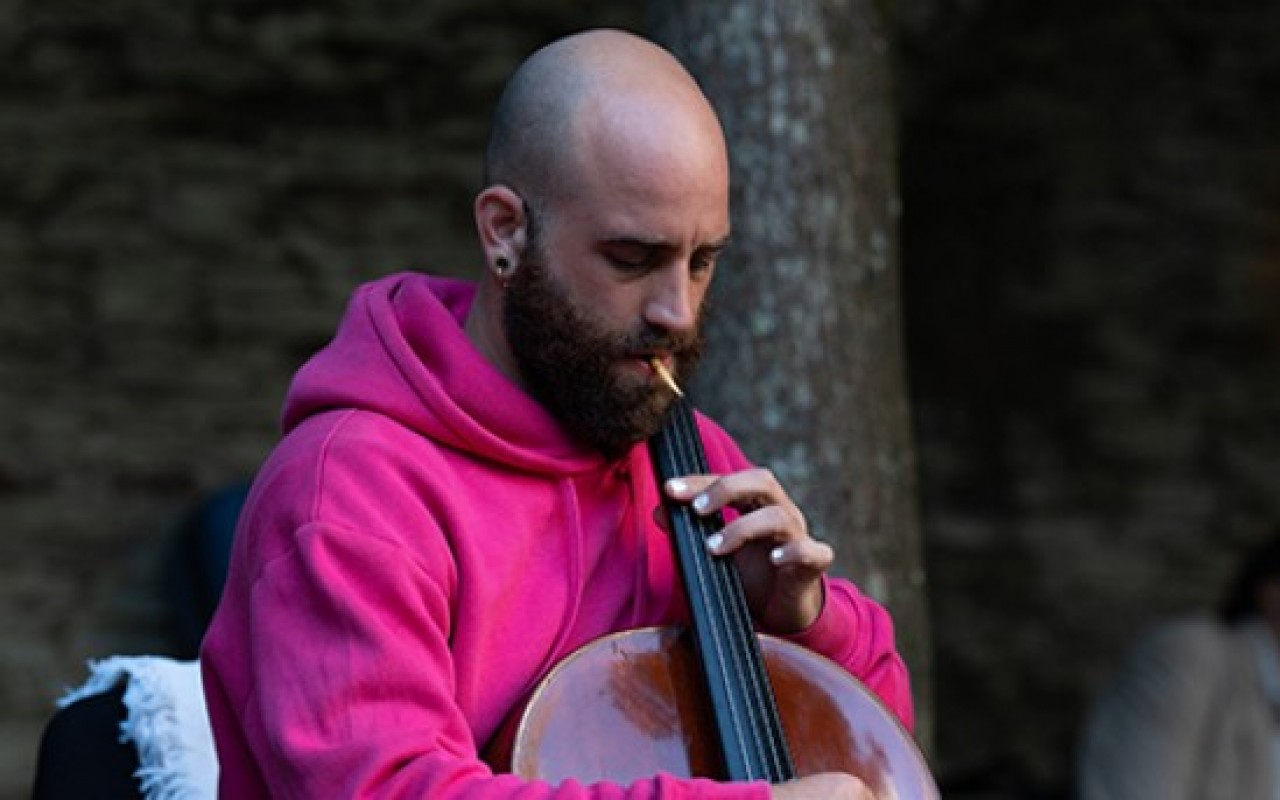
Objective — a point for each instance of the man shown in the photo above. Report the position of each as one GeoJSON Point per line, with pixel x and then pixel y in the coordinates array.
{"type": "Point", "coordinates": [463, 495]}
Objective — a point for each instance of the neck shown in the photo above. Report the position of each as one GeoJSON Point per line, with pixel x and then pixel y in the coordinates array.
{"type": "Point", "coordinates": [485, 330]}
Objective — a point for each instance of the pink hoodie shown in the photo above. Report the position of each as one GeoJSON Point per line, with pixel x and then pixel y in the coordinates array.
{"type": "Point", "coordinates": [421, 548]}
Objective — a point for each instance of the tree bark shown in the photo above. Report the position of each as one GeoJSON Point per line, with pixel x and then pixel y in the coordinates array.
{"type": "Point", "coordinates": [805, 353]}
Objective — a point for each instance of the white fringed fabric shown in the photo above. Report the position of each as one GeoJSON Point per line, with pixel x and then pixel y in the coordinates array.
{"type": "Point", "coordinates": [166, 721]}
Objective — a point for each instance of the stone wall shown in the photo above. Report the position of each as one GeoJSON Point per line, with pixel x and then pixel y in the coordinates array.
{"type": "Point", "coordinates": [1090, 231]}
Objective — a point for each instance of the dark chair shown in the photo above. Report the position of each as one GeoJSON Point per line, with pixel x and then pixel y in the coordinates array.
{"type": "Point", "coordinates": [82, 756]}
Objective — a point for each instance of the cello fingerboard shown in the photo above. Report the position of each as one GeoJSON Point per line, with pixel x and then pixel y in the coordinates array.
{"type": "Point", "coordinates": [746, 715]}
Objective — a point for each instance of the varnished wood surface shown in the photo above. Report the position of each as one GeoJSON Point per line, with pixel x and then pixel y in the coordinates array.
{"type": "Point", "coordinates": [630, 705]}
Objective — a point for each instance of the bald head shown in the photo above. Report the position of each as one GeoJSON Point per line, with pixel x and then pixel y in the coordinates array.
{"type": "Point", "coordinates": [579, 93]}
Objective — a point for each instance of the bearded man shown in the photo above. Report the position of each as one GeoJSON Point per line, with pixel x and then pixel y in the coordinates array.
{"type": "Point", "coordinates": [463, 496]}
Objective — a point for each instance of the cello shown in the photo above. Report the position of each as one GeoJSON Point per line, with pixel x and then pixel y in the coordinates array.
{"type": "Point", "coordinates": [626, 706]}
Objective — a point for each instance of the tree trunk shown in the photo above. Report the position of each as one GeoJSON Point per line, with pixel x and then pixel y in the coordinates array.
{"type": "Point", "coordinates": [805, 352]}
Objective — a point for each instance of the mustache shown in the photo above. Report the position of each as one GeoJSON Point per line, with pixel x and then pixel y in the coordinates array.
{"type": "Point", "coordinates": [658, 340]}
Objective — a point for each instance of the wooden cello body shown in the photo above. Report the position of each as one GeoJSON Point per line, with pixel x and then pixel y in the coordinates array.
{"type": "Point", "coordinates": [711, 700]}
{"type": "Point", "coordinates": [621, 709]}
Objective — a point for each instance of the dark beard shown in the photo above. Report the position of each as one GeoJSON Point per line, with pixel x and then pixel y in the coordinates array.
{"type": "Point", "coordinates": [571, 364]}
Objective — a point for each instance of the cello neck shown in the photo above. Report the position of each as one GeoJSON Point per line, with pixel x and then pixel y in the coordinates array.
{"type": "Point", "coordinates": [746, 717]}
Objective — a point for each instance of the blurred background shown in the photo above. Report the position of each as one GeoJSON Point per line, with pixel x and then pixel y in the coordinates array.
{"type": "Point", "coordinates": [1090, 262]}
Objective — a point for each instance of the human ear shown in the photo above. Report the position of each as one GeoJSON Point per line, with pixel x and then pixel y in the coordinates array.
{"type": "Point", "coordinates": [501, 225]}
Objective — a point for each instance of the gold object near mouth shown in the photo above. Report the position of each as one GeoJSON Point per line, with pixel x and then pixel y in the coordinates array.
{"type": "Point", "coordinates": [659, 368]}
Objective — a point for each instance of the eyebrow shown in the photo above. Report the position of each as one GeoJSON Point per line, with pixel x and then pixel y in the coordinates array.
{"type": "Point", "coordinates": [639, 241]}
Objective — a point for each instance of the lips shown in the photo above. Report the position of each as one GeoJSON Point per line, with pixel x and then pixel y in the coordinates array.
{"type": "Point", "coordinates": [648, 354]}
{"type": "Point", "coordinates": [639, 365]}
{"type": "Point", "coordinates": [647, 359]}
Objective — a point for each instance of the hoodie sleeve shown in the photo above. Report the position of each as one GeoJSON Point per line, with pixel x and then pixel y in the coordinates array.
{"type": "Point", "coordinates": [353, 687]}
{"type": "Point", "coordinates": [857, 633]}
{"type": "Point", "coordinates": [853, 630]}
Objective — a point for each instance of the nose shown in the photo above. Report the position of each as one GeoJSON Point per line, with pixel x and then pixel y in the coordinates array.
{"type": "Point", "coordinates": [672, 301]}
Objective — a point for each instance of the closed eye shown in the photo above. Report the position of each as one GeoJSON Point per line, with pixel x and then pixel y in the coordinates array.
{"type": "Point", "coordinates": [633, 256]}
{"type": "Point", "coordinates": [628, 264]}
{"type": "Point", "coordinates": [636, 256]}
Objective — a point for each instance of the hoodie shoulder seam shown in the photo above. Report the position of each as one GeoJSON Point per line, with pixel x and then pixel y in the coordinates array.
{"type": "Point", "coordinates": [322, 464]}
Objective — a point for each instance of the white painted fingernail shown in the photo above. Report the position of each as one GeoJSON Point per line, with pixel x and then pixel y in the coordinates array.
{"type": "Point", "coordinates": [676, 485]}
{"type": "Point", "coordinates": [700, 503]}
{"type": "Point", "coordinates": [714, 541]}
{"type": "Point", "coordinates": [775, 554]}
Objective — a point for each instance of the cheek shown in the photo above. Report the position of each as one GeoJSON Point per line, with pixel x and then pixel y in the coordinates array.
{"type": "Point", "coordinates": [622, 314]}
{"type": "Point", "coordinates": [616, 306]}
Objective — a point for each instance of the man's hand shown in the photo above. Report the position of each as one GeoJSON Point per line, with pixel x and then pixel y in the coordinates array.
{"type": "Point", "coordinates": [824, 786]}
{"type": "Point", "coordinates": [781, 565]}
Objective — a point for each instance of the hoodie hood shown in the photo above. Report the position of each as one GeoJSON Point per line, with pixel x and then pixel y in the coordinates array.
{"type": "Point", "coordinates": [401, 351]}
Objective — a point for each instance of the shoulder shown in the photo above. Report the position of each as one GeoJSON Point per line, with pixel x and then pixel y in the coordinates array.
{"type": "Point", "coordinates": [358, 445]}
{"type": "Point", "coordinates": [1191, 639]}
{"type": "Point", "coordinates": [347, 469]}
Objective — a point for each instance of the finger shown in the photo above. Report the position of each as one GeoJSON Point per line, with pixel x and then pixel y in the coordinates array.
{"type": "Point", "coordinates": [689, 486]}
{"type": "Point", "coordinates": [774, 523]}
{"type": "Point", "coordinates": [809, 554]}
{"type": "Point", "coordinates": [746, 490]}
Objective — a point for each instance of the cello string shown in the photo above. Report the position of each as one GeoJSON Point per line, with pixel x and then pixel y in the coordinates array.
{"type": "Point", "coordinates": [762, 703]}
{"type": "Point", "coordinates": [731, 626]}
{"type": "Point", "coordinates": [755, 680]}
{"type": "Point", "coordinates": [697, 588]}
{"type": "Point", "coordinates": [719, 660]}
{"type": "Point", "coordinates": [766, 722]}
{"type": "Point", "coordinates": [768, 743]}
{"type": "Point", "coordinates": [721, 614]}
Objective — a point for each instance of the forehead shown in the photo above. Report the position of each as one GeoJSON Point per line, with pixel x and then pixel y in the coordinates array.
{"type": "Point", "coordinates": [637, 170]}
